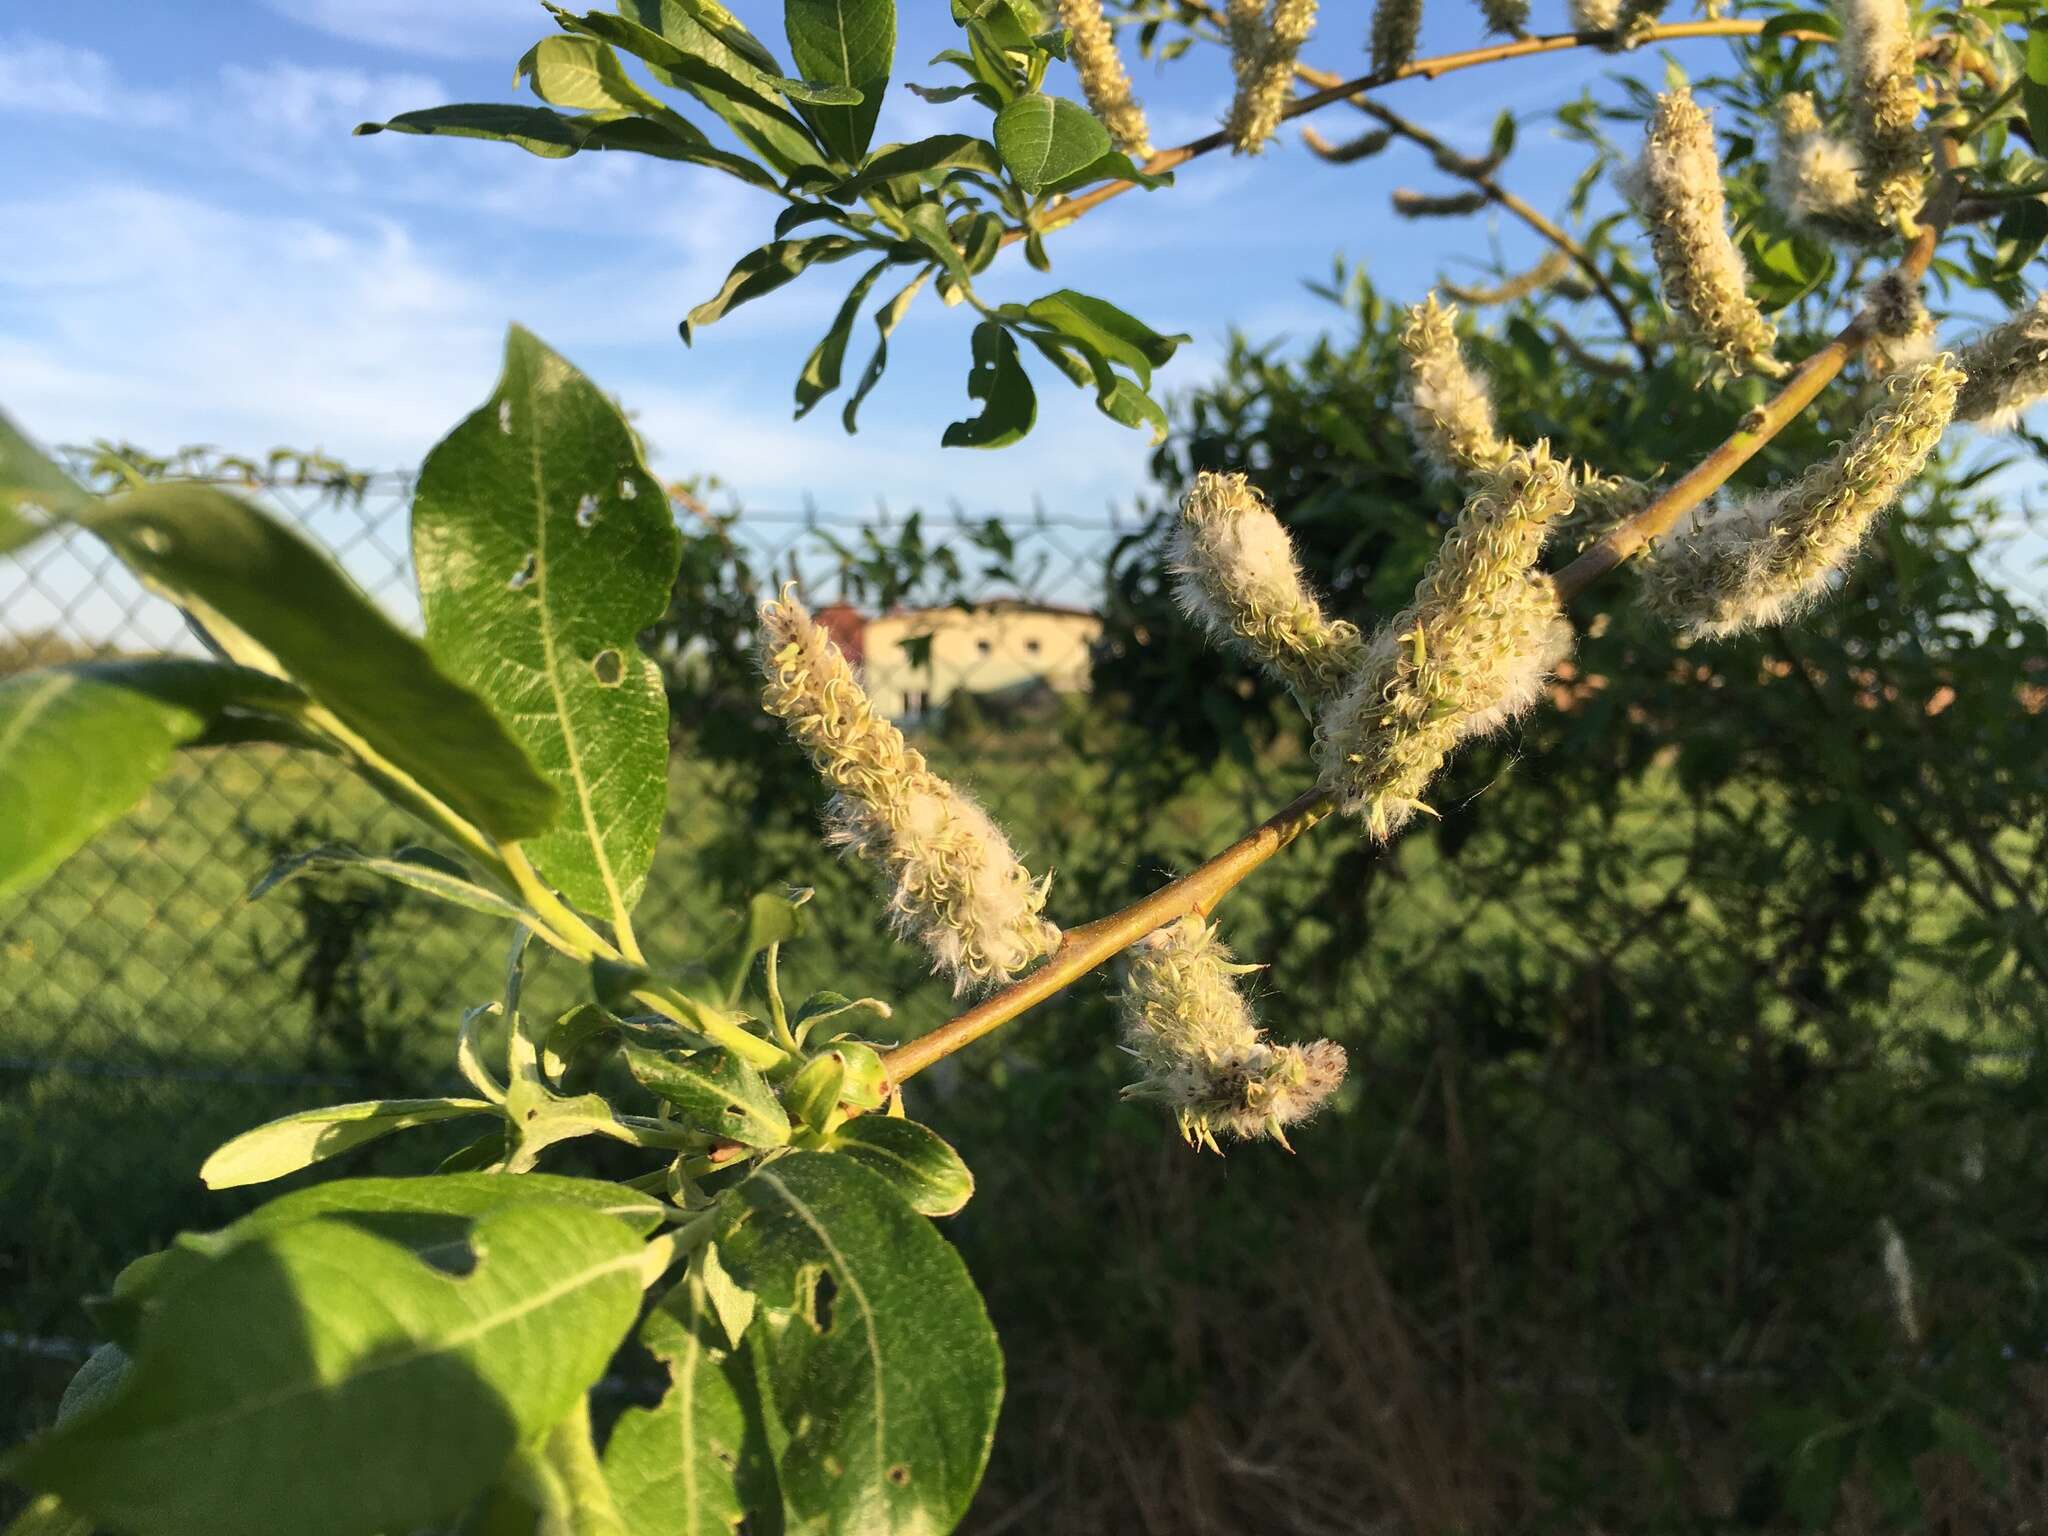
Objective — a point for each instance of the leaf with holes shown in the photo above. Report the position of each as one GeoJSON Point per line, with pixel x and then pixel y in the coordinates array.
{"type": "Point", "coordinates": [323, 1377]}
{"type": "Point", "coordinates": [850, 43]}
{"type": "Point", "coordinates": [891, 1400]}
{"type": "Point", "coordinates": [998, 380]}
{"type": "Point", "coordinates": [274, 602]}
{"type": "Point", "coordinates": [679, 1468]}
{"type": "Point", "coordinates": [1044, 139]}
{"type": "Point", "coordinates": [713, 1091]}
{"type": "Point", "coordinates": [544, 547]}
{"type": "Point", "coordinates": [81, 744]}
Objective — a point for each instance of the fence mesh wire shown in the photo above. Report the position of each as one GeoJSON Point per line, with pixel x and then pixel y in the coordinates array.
{"type": "Point", "coordinates": [148, 1008]}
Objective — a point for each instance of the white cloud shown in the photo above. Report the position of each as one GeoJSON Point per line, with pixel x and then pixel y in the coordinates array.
{"type": "Point", "coordinates": [37, 75]}
{"type": "Point", "coordinates": [443, 28]}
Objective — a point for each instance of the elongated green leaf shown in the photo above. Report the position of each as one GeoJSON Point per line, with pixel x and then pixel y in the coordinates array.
{"type": "Point", "coordinates": [942, 151]}
{"type": "Point", "coordinates": [275, 602]}
{"type": "Point", "coordinates": [322, 1378]}
{"type": "Point", "coordinates": [314, 1135]}
{"type": "Point", "coordinates": [998, 380]}
{"type": "Point", "coordinates": [820, 374]}
{"type": "Point", "coordinates": [763, 271]}
{"type": "Point", "coordinates": [899, 1393]}
{"type": "Point", "coordinates": [713, 1091]}
{"type": "Point", "coordinates": [1120, 337]}
{"type": "Point", "coordinates": [1114, 166]}
{"type": "Point", "coordinates": [81, 744]}
{"type": "Point", "coordinates": [583, 72]}
{"type": "Point", "coordinates": [544, 547]}
{"type": "Point", "coordinates": [556, 135]}
{"type": "Point", "coordinates": [844, 42]}
{"type": "Point", "coordinates": [772, 917]}
{"type": "Point", "coordinates": [916, 1161]}
{"type": "Point", "coordinates": [34, 492]}
{"type": "Point", "coordinates": [675, 1468]}
{"type": "Point", "coordinates": [419, 868]}
{"type": "Point", "coordinates": [1045, 138]}
{"type": "Point", "coordinates": [700, 48]}
{"type": "Point", "coordinates": [928, 226]}
{"type": "Point", "coordinates": [887, 318]}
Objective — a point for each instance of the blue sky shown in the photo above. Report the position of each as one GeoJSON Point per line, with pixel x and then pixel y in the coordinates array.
{"type": "Point", "coordinates": [200, 251]}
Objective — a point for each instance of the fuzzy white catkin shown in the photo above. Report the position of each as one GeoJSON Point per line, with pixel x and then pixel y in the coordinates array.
{"type": "Point", "coordinates": [1205, 1057]}
{"type": "Point", "coordinates": [1677, 187]}
{"type": "Point", "coordinates": [2007, 368]}
{"type": "Point", "coordinates": [1264, 44]}
{"type": "Point", "coordinates": [1444, 401]}
{"type": "Point", "coordinates": [1235, 574]}
{"type": "Point", "coordinates": [1755, 562]}
{"type": "Point", "coordinates": [1901, 329]}
{"type": "Point", "coordinates": [1816, 179]}
{"type": "Point", "coordinates": [1474, 649]}
{"type": "Point", "coordinates": [1877, 59]}
{"type": "Point", "coordinates": [1103, 80]}
{"type": "Point", "coordinates": [955, 885]}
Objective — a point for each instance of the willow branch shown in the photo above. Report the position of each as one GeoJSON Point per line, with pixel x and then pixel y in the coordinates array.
{"type": "Point", "coordinates": [1083, 949]}
{"type": "Point", "coordinates": [1064, 210]}
{"type": "Point", "coordinates": [1449, 161]}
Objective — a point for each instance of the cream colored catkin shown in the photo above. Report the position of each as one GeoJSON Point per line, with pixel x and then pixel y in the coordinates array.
{"type": "Point", "coordinates": [1235, 574]}
{"type": "Point", "coordinates": [1396, 24]}
{"type": "Point", "coordinates": [1104, 82]}
{"type": "Point", "coordinates": [1264, 44]}
{"type": "Point", "coordinates": [1474, 649]}
{"type": "Point", "coordinates": [1757, 561]}
{"type": "Point", "coordinates": [1901, 329]}
{"type": "Point", "coordinates": [1677, 186]}
{"type": "Point", "coordinates": [2007, 368]}
{"type": "Point", "coordinates": [1877, 59]}
{"type": "Point", "coordinates": [1816, 179]}
{"type": "Point", "coordinates": [1187, 1021]}
{"type": "Point", "coordinates": [1444, 401]}
{"type": "Point", "coordinates": [956, 887]}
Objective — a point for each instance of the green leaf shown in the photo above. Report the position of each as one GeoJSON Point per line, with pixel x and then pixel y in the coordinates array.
{"type": "Point", "coordinates": [314, 1135]}
{"type": "Point", "coordinates": [323, 1378]}
{"type": "Point", "coordinates": [1114, 166]}
{"type": "Point", "coordinates": [763, 271]}
{"type": "Point", "coordinates": [916, 1161]}
{"type": "Point", "coordinates": [713, 1091]}
{"type": "Point", "coordinates": [34, 492]}
{"type": "Point", "coordinates": [81, 744]}
{"type": "Point", "coordinates": [699, 47]}
{"type": "Point", "coordinates": [47, 1515]}
{"type": "Point", "coordinates": [419, 868]}
{"type": "Point", "coordinates": [276, 603]}
{"type": "Point", "coordinates": [887, 318]}
{"type": "Point", "coordinates": [772, 917]}
{"type": "Point", "coordinates": [927, 225]}
{"type": "Point", "coordinates": [1044, 138]}
{"type": "Point", "coordinates": [556, 135]}
{"type": "Point", "coordinates": [864, 1081]}
{"type": "Point", "coordinates": [818, 95]}
{"type": "Point", "coordinates": [812, 1095]}
{"type": "Point", "coordinates": [844, 42]}
{"type": "Point", "coordinates": [105, 1369]}
{"type": "Point", "coordinates": [675, 1468]}
{"type": "Point", "coordinates": [998, 380]}
{"type": "Point", "coordinates": [1119, 337]}
{"type": "Point", "coordinates": [898, 1393]}
{"type": "Point", "coordinates": [1799, 21]}
{"type": "Point", "coordinates": [820, 374]}
{"type": "Point", "coordinates": [820, 1006]}
{"type": "Point", "coordinates": [582, 72]}
{"type": "Point", "coordinates": [942, 151]}
{"type": "Point", "coordinates": [544, 546]}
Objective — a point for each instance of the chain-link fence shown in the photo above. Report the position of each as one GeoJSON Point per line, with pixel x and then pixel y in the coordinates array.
{"type": "Point", "coordinates": [148, 1009]}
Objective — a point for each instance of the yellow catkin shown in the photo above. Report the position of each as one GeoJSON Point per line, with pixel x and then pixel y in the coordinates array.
{"type": "Point", "coordinates": [1236, 575]}
{"type": "Point", "coordinates": [1396, 24]}
{"type": "Point", "coordinates": [1103, 80]}
{"type": "Point", "coordinates": [1264, 44]}
{"type": "Point", "coordinates": [1205, 1057]}
{"type": "Point", "coordinates": [1758, 561]}
{"type": "Point", "coordinates": [1677, 186]}
{"type": "Point", "coordinates": [1877, 60]}
{"type": "Point", "coordinates": [955, 885]}
{"type": "Point", "coordinates": [1816, 179]}
{"type": "Point", "coordinates": [1473, 649]}
{"type": "Point", "coordinates": [2007, 368]}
